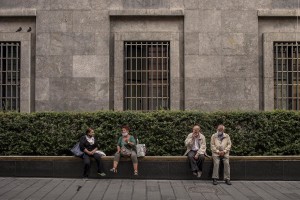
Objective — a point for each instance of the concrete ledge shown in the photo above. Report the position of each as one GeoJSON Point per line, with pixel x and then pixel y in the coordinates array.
{"type": "Point", "coordinates": [152, 167]}
{"type": "Point", "coordinates": [17, 12]}
{"type": "Point", "coordinates": [146, 12]}
{"type": "Point", "coordinates": [278, 13]}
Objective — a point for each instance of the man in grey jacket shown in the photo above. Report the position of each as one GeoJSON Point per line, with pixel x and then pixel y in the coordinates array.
{"type": "Point", "coordinates": [220, 145]}
{"type": "Point", "coordinates": [196, 148]}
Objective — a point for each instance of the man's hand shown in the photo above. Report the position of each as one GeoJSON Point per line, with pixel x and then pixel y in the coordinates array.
{"type": "Point", "coordinates": [196, 157]}
{"type": "Point", "coordinates": [221, 153]}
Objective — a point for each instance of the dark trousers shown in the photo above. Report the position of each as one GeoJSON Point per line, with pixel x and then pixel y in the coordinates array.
{"type": "Point", "coordinates": [87, 163]}
{"type": "Point", "coordinates": [196, 165]}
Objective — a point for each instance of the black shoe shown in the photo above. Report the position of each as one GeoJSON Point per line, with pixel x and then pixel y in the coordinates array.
{"type": "Point", "coordinates": [215, 182]}
{"type": "Point", "coordinates": [227, 181]}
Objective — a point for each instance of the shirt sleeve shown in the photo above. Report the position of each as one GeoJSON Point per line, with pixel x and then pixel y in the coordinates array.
{"type": "Point", "coordinates": [119, 142]}
{"type": "Point", "coordinates": [131, 139]}
{"type": "Point", "coordinates": [202, 148]}
{"type": "Point", "coordinates": [81, 143]}
{"type": "Point", "coordinates": [213, 146]}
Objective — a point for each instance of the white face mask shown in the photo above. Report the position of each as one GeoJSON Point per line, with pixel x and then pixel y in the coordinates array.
{"type": "Point", "coordinates": [220, 133]}
{"type": "Point", "coordinates": [124, 133]}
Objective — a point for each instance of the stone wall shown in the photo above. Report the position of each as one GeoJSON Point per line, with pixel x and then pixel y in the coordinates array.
{"type": "Point", "coordinates": [219, 49]}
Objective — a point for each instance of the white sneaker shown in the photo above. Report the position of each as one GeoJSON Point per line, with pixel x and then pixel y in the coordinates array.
{"type": "Point", "coordinates": [199, 173]}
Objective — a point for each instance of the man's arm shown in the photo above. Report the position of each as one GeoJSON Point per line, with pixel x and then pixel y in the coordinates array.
{"type": "Point", "coordinates": [213, 147]}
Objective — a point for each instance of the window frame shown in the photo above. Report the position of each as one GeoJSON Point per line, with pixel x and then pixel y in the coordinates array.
{"type": "Point", "coordinates": [26, 73]}
{"type": "Point", "coordinates": [146, 75]}
{"type": "Point", "coordinates": [119, 65]}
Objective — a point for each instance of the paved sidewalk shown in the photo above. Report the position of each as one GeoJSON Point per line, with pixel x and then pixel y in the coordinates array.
{"type": "Point", "coordinates": [57, 188]}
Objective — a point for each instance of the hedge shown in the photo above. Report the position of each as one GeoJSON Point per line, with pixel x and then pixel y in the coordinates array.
{"type": "Point", "coordinates": [163, 132]}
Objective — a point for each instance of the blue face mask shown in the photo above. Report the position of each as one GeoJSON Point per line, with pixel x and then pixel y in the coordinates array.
{"type": "Point", "coordinates": [220, 133]}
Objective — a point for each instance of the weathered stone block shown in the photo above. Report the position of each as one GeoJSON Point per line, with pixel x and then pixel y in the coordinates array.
{"type": "Point", "coordinates": [239, 21]}
{"type": "Point", "coordinates": [72, 43]}
{"type": "Point", "coordinates": [70, 5]}
{"type": "Point", "coordinates": [102, 90]}
{"type": "Point", "coordinates": [191, 4]}
{"type": "Point", "coordinates": [42, 44]}
{"type": "Point", "coordinates": [240, 66]}
{"type": "Point", "coordinates": [257, 4]}
{"type": "Point", "coordinates": [102, 41]}
{"type": "Point", "coordinates": [190, 19]}
{"type": "Point", "coordinates": [203, 66]}
{"type": "Point", "coordinates": [177, 4]}
{"type": "Point", "coordinates": [54, 21]}
{"type": "Point", "coordinates": [41, 89]}
{"type": "Point", "coordinates": [146, 4]}
{"type": "Point", "coordinates": [233, 44]}
{"type": "Point", "coordinates": [285, 4]}
{"type": "Point", "coordinates": [91, 66]}
{"type": "Point", "coordinates": [54, 66]}
{"type": "Point", "coordinates": [191, 46]}
{"type": "Point", "coordinates": [106, 4]}
{"type": "Point", "coordinates": [57, 89]}
{"type": "Point", "coordinates": [90, 21]}
{"type": "Point", "coordinates": [210, 44]}
{"type": "Point", "coordinates": [209, 21]}
{"type": "Point", "coordinates": [80, 89]}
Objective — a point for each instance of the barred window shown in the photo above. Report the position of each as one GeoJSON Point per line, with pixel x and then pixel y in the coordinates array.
{"type": "Point", "coordinates": [10, 76]}
{"type": "Point", "coordinates": [147, 75]}
{"type": "Point", "coordinates": [286, 75]}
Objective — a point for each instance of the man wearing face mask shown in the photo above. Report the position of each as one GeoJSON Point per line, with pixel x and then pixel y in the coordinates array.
{"type": "Point", "coordinates": [196, 148]}
{"type": "Point", "coordinates": [220, 147]}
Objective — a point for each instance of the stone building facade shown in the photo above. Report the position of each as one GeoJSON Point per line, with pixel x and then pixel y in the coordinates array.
{"type": "Point", "coordinates": [208, 55]}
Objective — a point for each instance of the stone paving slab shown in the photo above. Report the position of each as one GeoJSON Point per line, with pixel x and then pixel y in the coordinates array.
{"type": "Point", "coordinates": [56, 188]}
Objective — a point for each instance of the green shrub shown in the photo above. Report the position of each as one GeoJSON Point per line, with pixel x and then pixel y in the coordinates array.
{"type": "Point", "coordinates": [163, 132]}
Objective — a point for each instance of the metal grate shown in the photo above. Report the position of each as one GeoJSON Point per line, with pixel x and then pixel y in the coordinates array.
{"type": "Point", "coordinates": [286, 75]}
{"type": "Point", "coordinates": [10, 76]}
{"type": "Point", "coordinates": [147, 75]}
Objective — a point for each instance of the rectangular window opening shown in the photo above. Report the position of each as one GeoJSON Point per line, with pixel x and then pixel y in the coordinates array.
{"type": "Point", "coordinates": [10, 76]}
{"type": "Point", "coordinates": [147, 75]}
{"type": "Point", "coordinates": [286, 75]}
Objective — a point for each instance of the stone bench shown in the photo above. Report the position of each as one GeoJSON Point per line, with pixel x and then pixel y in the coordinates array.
{"type": "Point", "coordinates": [152, 167]}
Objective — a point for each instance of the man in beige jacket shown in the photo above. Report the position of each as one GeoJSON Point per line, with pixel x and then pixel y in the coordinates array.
{"type": "Point", "coordinates": [196, 148]}
{"type": "Point", "coordinates": [220, 147]}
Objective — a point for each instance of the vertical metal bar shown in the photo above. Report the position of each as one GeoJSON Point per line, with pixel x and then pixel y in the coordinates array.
{"type": "Point", "coordinates": [1, 69]}
{"type": "Point", "coordinates": [141, 80]}
{"type": "Point", "coordinates": [276, 82]}
{"type": "Point", "coordinates": [162, 74]}
{"type": "Point", "coordinates": [282, 63]}
{"type": "Point", "coordinates": [11, 76]}
{"type": "Point", "coordinates": [6, 77]}
{"type": "Point", "coordinates": [136, 88]}
{"type": "Point", "coordinates": [298, 70]}
{"type": "Point", "coordinates": [152, 87]}
{"type": "Point", "coordinates": [168, 74]}
{"type": "Point", "coordinates": [157, 78]}
{"type": "Point", "coordinates": [147, 81]}
{"type": "Point", "coordinates": [17, 76]}
{"type": "Point", "coordinates": [125, 77]}
{"type": "Point", "coordinates": [131, 76]}
{"type": "Point", "coordinates": [287, 75]}
{"type": "Point", "coordinates": [292, 67]}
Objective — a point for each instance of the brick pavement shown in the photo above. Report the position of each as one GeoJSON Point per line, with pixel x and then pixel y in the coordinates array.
{"type": "Point", "coordinates": [59, 188]}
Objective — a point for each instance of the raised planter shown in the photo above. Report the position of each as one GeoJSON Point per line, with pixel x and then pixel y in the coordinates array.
{"type": "Point", "coordinates": [152, 167]}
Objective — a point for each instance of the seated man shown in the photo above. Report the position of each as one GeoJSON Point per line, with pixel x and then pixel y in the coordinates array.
{"type": "Point", "coordinates": [196, 148]}
{"type": "Point", "coordinates": [220, 147]}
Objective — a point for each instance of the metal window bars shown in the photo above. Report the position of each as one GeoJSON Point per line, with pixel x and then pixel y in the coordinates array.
{"type": "Point", "coordinates": [10, 76]}
{"type": "Point", "coordinates": [286, 75]}
{"type": "Point", "coordinates": [147, 75]}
